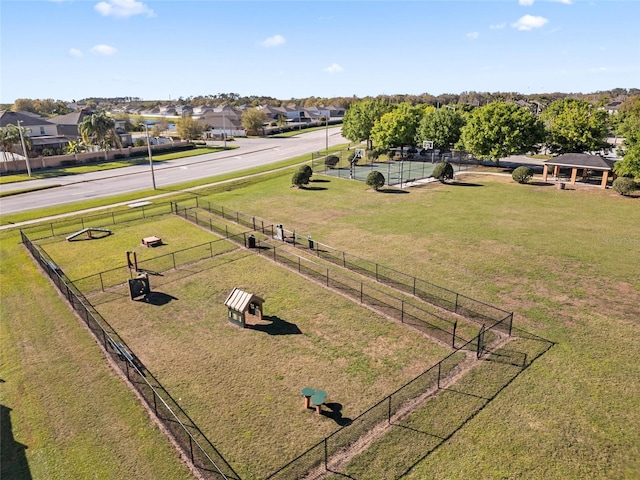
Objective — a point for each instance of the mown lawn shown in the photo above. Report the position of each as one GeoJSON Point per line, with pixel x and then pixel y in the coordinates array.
{"type": "Point", "coordinates": [66, 415]}
{"type": "Point", "coordinates": [242, 387]}
{"type": "Point", "coordinates": [566, 262]}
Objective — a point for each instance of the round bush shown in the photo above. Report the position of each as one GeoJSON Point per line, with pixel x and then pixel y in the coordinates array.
{"type": "Point", "coordinates": [299, 179]}
{"type": "Point", "coordinates": [331, 161]}
{"type": "Point", "coordinates": [307, 171]}
{"type": "Point", "coordinates": [522, 174]}
{"type": "Point", "coordinates": [624, 185]}
{"type": "Point", "coordinates": [375, 179]}
{"type": "Point", "coordinates": [443, 171]}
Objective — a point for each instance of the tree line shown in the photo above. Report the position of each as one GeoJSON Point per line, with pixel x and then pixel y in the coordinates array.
{"type": "Point", "coordinates": [498, 129]}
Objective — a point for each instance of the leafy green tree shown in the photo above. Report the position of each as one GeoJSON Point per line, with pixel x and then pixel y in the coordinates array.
{"type": "Point", "coordinates": [376, 180]}
{"type": "Point", "coordinates": [398, 127]}
{"type": "Point", "coordinates": [307, 171]}
{"type": "Point", "coordinates": [299, 179]}
{"type": "Point", "coordinates": [500, 129]}
{"type": "Point", "coordinates": [443, 172]}
{"type": "Point", "coordinates": [160, 126]}
{"type": "Point", "coordinates": [575, 126]}
{"type": "Point", "coordinates": [442, 126]}
{"type": "Point", "coordinates": [188, 128]}
{"type": "Point", "coordinates": [360, 118]}
{"type": "Point", "coordinates": [628, 126]}
{"type": "Point", "coordinates": [253, 120]}
{"type": "Point", "coordinates": [99, 129]}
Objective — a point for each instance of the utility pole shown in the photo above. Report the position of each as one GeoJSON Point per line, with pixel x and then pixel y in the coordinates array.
{"type": "Point", "coordinates": [153, 178]}
{"type": "Point", "coordinates": [24, 148]}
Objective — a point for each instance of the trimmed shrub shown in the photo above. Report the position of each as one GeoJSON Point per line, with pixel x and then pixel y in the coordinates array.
{"type": "Point", "coordinates": [307, 172]}
{"type": "Point", "coordinates": [624, 185]}
{"type": "Point", "coordinates": [522, 174]}
{"type": "Point", "coordinates": [375, 179]}
{"type": "Point", "coordinates": [299, 179]}
{"type": "Point", "coordinates": [331, 161]}
{"type": "Point", "coordinates": [443, 171]}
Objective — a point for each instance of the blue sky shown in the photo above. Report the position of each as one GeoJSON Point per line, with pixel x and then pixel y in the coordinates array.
{"type": "Point", "coordinates": [161, 50]}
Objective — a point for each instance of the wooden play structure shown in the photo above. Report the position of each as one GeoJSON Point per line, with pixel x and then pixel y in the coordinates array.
{"type": "Point", "coordinates": [152, 241]}
{"type": "Point", "coordinates": [240, 304]}
{"type": "Point", "coordinates": [103, 232]}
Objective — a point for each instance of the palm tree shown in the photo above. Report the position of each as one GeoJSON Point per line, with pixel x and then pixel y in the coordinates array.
{"type": "Point", "coordinates": [10, 137]}
{"type": "Point", "coordinates": [98, 129]}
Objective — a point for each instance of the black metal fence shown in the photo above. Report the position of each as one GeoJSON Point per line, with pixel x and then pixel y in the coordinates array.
{"type": "Point", "coordinates": [193, 442]}
{"type": "Point", "coordinates": [195, 445]}
{"type": "Point", "coordinates": [458, 303]}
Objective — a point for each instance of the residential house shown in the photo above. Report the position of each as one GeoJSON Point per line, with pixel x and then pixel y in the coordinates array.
{"type": "Point", "coordinates": [42, 133]}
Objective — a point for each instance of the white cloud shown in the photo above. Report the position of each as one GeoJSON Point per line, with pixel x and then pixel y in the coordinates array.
{"type": "Point", "coordinates": [274, 41]}
{"type": "Point", "coordinates": [599, 69]}
{"type": "Point", "coordinates": [104, 50]}
{"type": "Point", "coordinates": [566, 2]}
{"type": "Point", "coordinates": [123, 8]}
{"type": "Point", "coordinates": [529, 22]}
{"type": "Point", "coordinates": [497, 26]}
{"type": "Point", "coordinates": [334, 68]}
{"type": "Point", "coordinates": [473, 35]}
{"type": "Point", "coordinates": [74, 52]}
{"type": "Point", "coordinates": [526, 3]}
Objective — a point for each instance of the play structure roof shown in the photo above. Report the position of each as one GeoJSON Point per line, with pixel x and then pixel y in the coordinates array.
{"type": "Point", "coordinates": [239, 300]}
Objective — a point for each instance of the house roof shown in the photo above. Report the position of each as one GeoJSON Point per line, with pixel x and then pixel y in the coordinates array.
{"type": "Point", "coordinates": [73, 118]}
{"type": "Point", "coordinates": [239, 300]}
{"type": "Point", "coordinates": [27, 120]}
{"type": "Point", "coordinates": [581, 160]}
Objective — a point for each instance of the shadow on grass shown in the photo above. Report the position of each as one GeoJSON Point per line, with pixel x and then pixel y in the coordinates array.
{"type": "Point", "coordinates": [277, 326]}
{"type": "Point", "coordinates": [313, 188]}
{"type": "Point", "coordinates": [429, 427]}
{"type": "Point", "coordinates": [318, 180]}
{"type": "Point", "coordinates": [158, 298]}
{"type": "Point", "coordinates": [335, 413]}
{"type": "Point", "coordinates": [465, 184]}
{"type": "Point", "coordinates": [13, 461]}
{"type": "Point", "coordinates": [392, 190]}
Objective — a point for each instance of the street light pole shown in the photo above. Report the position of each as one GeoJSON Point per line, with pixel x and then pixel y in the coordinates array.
{"type": "Point", "coordinates": [153, 178]}
{"type": "Point", "coordinates": [327, 134]}
{"type": "Point", "coordinates": [24, 148]}
{"type": "Point", "coordinates": [224, 128]}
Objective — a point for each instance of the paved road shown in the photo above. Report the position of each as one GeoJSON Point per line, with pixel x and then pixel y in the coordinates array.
{"type": "Point", "coordinates": [252, 153]}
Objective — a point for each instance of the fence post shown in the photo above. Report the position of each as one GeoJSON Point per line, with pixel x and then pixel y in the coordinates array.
{"type": "Point", "coordinates": [222, 211]}
{"type": "Point", "coordinates": [237, 217]}
{"type": "Point", "coordinates": [82, 222]}
{"type": "Point", "coordinates": [439, 366]}
{"type": "Point", "coordinates": [299, 265]}
{"type": "Point", "coordinates": [510, 323]}
{"type": "Point", "coordinates": [414, 286]}
{"type": "Point", "coordinates": [191, 448]}
{"type": "Point", "coordinates": [376, 272]}
{"type": "Point", "coordinates": [210, 226]}
{"type": "Point", "coordinates": [226, 229]}
{"type": "Point", "coordinates": [104, 338]}
{"type": "Point", "coordinates": [361, 293]}
{"type": "Point", "coordinates": [143, 215]}
{"type": "Point", "coordinates": [453, 338]}
{"type": "Point", "coordinates": [326, 454]}
{"type": "Point", "coordinates": [155, 405]}
{"type": "Point", "coordinates": [113, 218]}
{"type": "Point", "coordinates": [173, 256]}
{"type": "Point", "coordinates": [344, 262]}
{"type": "Point", "coordinates": [101, 282]}
{"type": "Point", "coordinates": [455, 309]}
{"type": "Point", "coordinates": [52, 234]}
{"type": "Point", "coordinates": [274, 254]}
{"type": "Point", "coordinates": [197, 202]}
{"type": "Point", "coordinates": [389, 410]}
{"type": "Point", "coordinates": [211, 249]}
{"type": "Point", "coordinates": [253, 221]}
{"type": "Point", "coordinates": [327, 277]}
{"type": "Point", "coordinates": [195, 215]}
{"type": "Point", "coordinates": [402, 311]}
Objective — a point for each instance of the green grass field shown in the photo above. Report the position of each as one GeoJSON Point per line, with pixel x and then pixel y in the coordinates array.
{"type": "Point", "coordinates": [242, 387]}
{"type": "Point", "coordinates": [566, 262]}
